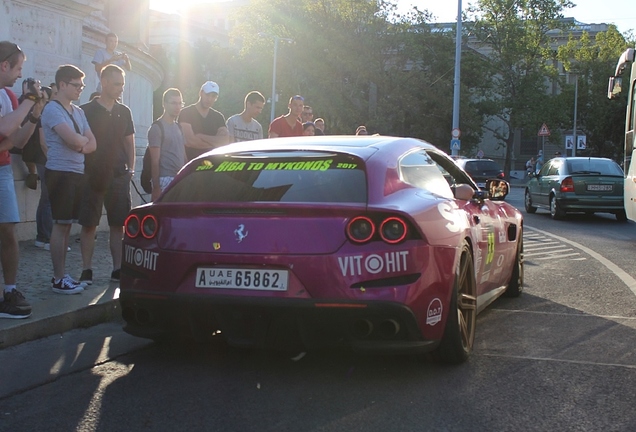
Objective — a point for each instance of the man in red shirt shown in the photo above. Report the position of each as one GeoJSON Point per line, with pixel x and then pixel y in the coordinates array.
{"type": "Point", "coordinates": [288, 125]}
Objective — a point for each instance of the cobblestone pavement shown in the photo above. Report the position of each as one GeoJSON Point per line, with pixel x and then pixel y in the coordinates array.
{"type": "Point", "coordinates": [35, 269]}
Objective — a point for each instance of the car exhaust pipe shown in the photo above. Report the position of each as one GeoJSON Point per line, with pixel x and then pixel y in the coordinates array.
{"type": "Point", "coordinates": [362, 328]}
{"type": "Point", "coordinates": [388, 328]}
{"type": "Point", "coordinates": [143, 316]}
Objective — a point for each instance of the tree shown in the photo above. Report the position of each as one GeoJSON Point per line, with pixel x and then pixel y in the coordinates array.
{"type": "Point", "coordinates": [594, 61]}
{"type": "Point", "coordinates": [515, 35]}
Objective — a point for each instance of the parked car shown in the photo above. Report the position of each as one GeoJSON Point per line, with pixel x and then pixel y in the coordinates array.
{"type": "Point", "coordinates": [577, 185]}
{"type": "Point", "coordinates": [376, 243]}
{"type": "Point", "coordinates": [481, 170]}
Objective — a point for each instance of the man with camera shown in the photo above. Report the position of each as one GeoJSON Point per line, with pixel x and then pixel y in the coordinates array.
{"type": "Point", "coordinates": [107, 171]}
{"type": "Point", "coordinates": [12, 133]}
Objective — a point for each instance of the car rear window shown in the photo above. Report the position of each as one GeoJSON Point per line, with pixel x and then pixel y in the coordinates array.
{"type": "Point", "coordinates": [273, 178]}
{"type": "Point", "coordinates": [482, 166]}
{"type": "Point", "coordinates": [594, 166]}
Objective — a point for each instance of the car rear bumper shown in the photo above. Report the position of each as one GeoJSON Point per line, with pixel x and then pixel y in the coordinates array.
{"type": "Point", "coordinates": [583, 204]}
{"type": "Point", "coordinates": [275, 323]}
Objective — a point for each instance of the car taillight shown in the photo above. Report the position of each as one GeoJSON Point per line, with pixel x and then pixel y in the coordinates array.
{"type": "Point", "coordinates": [390, 229]}
{"type": "Point", "coordinates": [501, 175]}
{"type": "Point", "coordinates": [149, 226]}
{"type": "Point", "coordinates": [132, 225]}
{"type": "Point", "coordinates": [360, 229]}
{"type": "Point", "coordinates": [567, 185]}
{"type": "Point", "coordinates": [393, 230]}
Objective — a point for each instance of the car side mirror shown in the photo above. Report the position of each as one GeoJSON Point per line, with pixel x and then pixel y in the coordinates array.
{"type": "Point", "coordinates": [464, 192]}
{"type": "Point", "coordinates": [497, 189]}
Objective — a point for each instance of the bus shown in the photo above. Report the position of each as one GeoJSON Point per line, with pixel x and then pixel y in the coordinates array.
{"type": "Point", "coordinates": [614, 89]}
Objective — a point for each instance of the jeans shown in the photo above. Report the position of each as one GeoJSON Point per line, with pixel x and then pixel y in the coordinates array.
{"type": "Point", "coordinates": [43, 218]}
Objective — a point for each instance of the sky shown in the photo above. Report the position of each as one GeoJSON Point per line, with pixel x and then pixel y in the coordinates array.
{"type": "Point", "coordinates": [622, 12]}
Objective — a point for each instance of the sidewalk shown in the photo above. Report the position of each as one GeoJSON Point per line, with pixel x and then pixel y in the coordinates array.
{"type": "Point", "coordinates": [56, 313]}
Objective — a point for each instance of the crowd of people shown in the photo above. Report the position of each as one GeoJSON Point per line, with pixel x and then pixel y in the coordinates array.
{"type": "Point", "coordinates": [84, 156]}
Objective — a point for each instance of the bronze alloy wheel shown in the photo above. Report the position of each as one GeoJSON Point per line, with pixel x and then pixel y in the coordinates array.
{"type": "Point", "coordinates": [467, 301]}
{"type": "Point", "coordinates": [459, 334]}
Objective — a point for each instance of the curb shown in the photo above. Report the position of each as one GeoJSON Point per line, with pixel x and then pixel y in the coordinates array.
{"type": "Point", "coordinates": [88, 316]}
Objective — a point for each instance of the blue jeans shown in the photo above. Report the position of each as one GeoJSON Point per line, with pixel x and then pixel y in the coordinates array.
{"type": "Point", "coordinates": [43, 218]}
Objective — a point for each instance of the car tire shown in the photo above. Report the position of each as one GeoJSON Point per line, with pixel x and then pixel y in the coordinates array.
{"type": "Point", "coordinates": [515, 285]}
{"type": "Point", "coordinates": [528, 202]}
{"type": "Point", "coordinates": [621, 216]}
{"type": "Point", "coordinates": [459, 333]}
{"type": "Point", "coordinates": [555, 210]}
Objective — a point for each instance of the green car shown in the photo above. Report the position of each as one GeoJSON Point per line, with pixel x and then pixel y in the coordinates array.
{"type": "Point", "coordinates": [577, 185]}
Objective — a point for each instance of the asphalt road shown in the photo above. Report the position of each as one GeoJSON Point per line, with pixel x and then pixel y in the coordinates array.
{"type": "Point", "coordinates": [560, 357]}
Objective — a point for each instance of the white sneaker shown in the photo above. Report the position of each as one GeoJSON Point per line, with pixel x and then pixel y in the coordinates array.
{"type": "Point", "coordinates": [47, 246]}
{"type": "Point", "coordinates": [41, 245]}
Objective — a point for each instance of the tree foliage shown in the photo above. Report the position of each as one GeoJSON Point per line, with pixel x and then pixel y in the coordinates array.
{"type": "Point", "coordinates": [600, 119]}
{"type": "Point", "coordinates": [359, 62]}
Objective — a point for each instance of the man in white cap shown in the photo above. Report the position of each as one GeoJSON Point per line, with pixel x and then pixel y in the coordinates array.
{"type": "Point", "coordinates": [203, 127]}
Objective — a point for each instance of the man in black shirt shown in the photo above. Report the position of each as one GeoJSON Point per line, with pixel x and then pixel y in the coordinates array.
{"type": "Point", "coordinates": [203, 127]}
{"type": "Point", "coordinates": [108, 171]}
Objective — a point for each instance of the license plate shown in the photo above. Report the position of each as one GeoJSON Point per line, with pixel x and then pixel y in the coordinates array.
{"type": "Point", "coordinates": [235, 278]}
{"type": "Point", "coordinates": [481, 185]}
{"type": "Point", "coordinates": [599, 188]}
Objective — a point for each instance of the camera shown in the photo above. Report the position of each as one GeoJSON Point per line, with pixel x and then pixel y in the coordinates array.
{"type": "Point", "coordinates": [31, 85]}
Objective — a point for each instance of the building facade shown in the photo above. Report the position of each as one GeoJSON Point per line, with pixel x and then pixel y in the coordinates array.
{"type": "Point", "coordinates": [56, 32]}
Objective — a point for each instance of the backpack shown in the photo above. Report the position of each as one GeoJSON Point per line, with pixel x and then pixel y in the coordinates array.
{"type": "Point", "coordinates": [146, 170]}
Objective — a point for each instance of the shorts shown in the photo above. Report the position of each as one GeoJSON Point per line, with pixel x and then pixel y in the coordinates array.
{"type": "Point", "coordinates": [116, 199]}
{"type": "Point", "coordinates": [8, 200]}
{"type": "Point", "coordinates": [65, 189]}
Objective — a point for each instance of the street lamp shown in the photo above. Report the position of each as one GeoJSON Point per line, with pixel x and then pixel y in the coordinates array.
{"type": "Point", "coordinates": [576, 99]}
{"type": "Point", "coordinates": [276, 40]}
{"type": "Point", "coordinates": [458, 58]}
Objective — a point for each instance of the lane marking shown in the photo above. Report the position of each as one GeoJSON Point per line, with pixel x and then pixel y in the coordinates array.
{"type": "Point", "coordinates": [539, 247]}
{"type": "Point", "coordinates": [580, 314]}
{"type": "Point", "coordinates": [552, 252]}
{"type": "Point", "coordinates": [556, 360]}
{"type": "Point", "coordinates": [538, 244]}
{"type": "Point", "coordinates": [576, 254]}
{"type": "Point", "coordinates": [623, 275]}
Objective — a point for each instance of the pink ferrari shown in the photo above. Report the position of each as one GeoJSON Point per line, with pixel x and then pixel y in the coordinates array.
{"type": "Point", "coordinates": [373, 242]}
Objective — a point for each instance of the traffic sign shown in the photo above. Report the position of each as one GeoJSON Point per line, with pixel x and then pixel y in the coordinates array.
{"type": "Point", "coordinates": [455, 144]}
{"type": "Point", "coordinates": [544, 131]}
{"type": "Point", "coordinates": [456, 133]}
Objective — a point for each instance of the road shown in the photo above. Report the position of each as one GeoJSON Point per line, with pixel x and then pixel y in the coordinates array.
{"type": "Point", "coordinates": [560, 357]}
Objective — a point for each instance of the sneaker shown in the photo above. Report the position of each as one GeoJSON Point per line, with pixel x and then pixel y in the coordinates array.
{"type": "Point", "coordinates": [66, 285]}
{"type": "Point", "coordinates": [86, 277]}
{"type": "Point", "coordinates": [42, 245]}
{"type": "Point", "coordinates": [67, 276]}
{"type": "Point", "coordinates": [9, 310]}
{"type": "Point", "coordinates": [114, 276]}
{"type": "Point", "coordinates": [16, 298]}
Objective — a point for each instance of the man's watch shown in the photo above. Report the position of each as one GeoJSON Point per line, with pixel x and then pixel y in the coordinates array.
{"type": "Point", "coordinates": [33, 119]}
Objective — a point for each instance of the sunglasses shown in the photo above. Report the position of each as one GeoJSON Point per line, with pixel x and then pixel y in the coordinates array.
{"type": "Point", "coordinates": [15, 50]}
